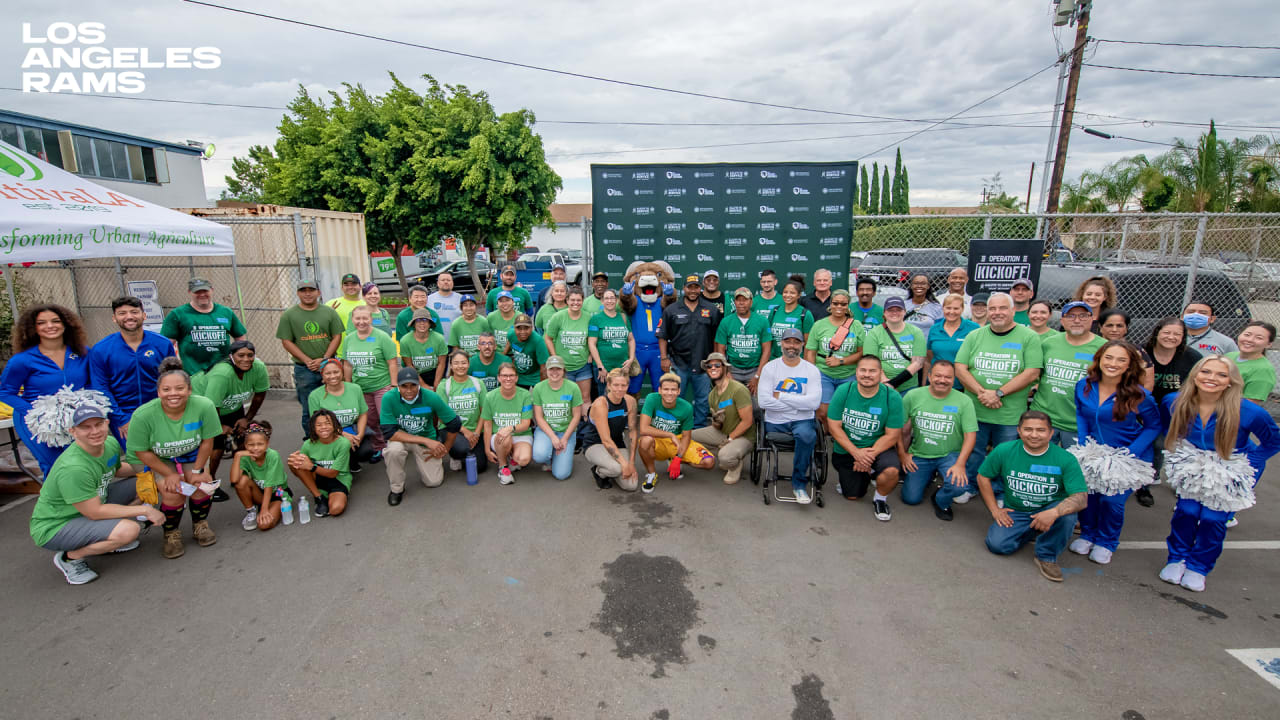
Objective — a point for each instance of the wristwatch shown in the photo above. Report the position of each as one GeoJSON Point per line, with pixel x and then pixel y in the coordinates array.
{"type": "Point", "coordinates": [1000, 393]}
{"type": "Point", "coordinates": [199, 471]}
{"type": "Point", "coordinates": [313, 466]}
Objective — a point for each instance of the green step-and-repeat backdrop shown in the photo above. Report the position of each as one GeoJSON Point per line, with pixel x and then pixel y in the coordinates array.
{"type": "Point", "coordinates": [738, 218]}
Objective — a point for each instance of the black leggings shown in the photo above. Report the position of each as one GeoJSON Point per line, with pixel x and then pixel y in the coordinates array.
{"type": "Point", "coordinates": [461, 448]}
{"type": "Point", "coordinates": [364, 452]}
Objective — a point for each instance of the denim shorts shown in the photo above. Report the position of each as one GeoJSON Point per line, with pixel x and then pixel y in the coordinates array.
{"type": "Point", "coordinates": [829, 386]}
{"type": "Point", "coordinates": [586, 372]}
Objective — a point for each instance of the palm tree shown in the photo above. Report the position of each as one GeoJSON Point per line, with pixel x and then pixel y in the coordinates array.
{"type": "Point", "coordinates": [1078, 198]}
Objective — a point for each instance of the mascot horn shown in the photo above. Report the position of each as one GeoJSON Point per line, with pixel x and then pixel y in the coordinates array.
{"type": "Point", "coordinates": [647, 288]}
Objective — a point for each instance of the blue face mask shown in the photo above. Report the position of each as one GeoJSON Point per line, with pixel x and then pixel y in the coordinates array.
{"type": "Point", "coordinates": [1195, 321]}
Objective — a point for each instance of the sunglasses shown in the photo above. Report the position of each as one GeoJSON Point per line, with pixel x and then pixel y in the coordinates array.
{"type": "Point", "coordinates": [715, 365]}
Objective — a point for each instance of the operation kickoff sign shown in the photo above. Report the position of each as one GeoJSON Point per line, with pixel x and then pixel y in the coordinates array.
{"type": "Point", "coordinates": [995, 264]}
{"type": "Point", "coordinates": [735, 218]}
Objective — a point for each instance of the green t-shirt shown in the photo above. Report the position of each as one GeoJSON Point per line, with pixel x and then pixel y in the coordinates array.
{"type": "Point", "coordinates": [820, 341]}
{"type": "Point", "coordinates": [379, 318]}
{"type": "Point", "coordinates": [370, 359]}
{"type": "Point", "coordinates": [151, 430]}
{"type": "Point", "coordinates": [76, 476]}
{"type": "Point", "coordinates": [678, 419]}
{"type": "Point", "coordinates": [869, 317]}
{"type": "Point", "coordinates": [744, 341]}
{"type": "Point", "coordinates": [508, 413]}
{"type": "Point", "coordinates": [994, 360]}
{"type": "Point", "coordinates": [938, 425]}
{"type": "Point", "coordinates": [404, 322]}
{"type": "Point", "coordinates": [310, 330]}
{"type": "Point", "coordinates": [1259, 376]}
{"type": "Point", "coordinates": [1064, 364]}
{"type": "Point", "coordinates": [527, 356]}
{"type": "Point", "coordinates": [464, 398]}
{"type": "Point", "coordinates": [800, 318]}
{"type": "Point", "coordinates": [591, 305]}
{"type": "Point", "coordinates": [416, 418]}
{"type": "Point", "coordinates": [335, 455]}
{"type": "Point", "coordinates": [543, 315]}
{"type": "Point", "coordinates": [1020, 317]}
{"type": "Point", "coordinates": [611, 335]}
{"type": "Point", "coordinates": [343, 307]}
{"type": "Point", "coordinates": [570, 339]}
{"type": "Point", "coordinates": [226, 389]}
{"type": "Point", "coordinates": [499, 326]}
{"type": "Point", "coordinates": [524, 302]}
{"type": "Point", "coordinates": [203, 338]}
{"type": "Point", "coordinates": [764, 308]}
{"type": "Point", "coordinates": [270, 474]}
{"type": "Point", "coordinates": [348, 406]}
{"type": "Point", "coordinates": [424, 356]}
{"type": "Point", "coordinates": [878, 342]}
{"type": "Point", "coordinates": [488, 372]}
{"type": "Point", "coordinates": [557, 405]}
{"type": "Point", "coordinates": [1033, 481]}
{"type": "Point", "coordinates": [466, 335]}
{"type": "Point", "coordinates": [730, 402]}
{"type": "Point", "coordinates": [864, 419]}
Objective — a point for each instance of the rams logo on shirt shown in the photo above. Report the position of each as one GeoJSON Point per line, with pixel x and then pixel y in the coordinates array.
{"type": "Point", "coordinates": [791, 385]}
{"type": "Point", "coordinates": [149, 353]}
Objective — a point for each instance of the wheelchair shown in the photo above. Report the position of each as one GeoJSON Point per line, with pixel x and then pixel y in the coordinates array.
{"type": "Point", "coordinates": [764, 464]}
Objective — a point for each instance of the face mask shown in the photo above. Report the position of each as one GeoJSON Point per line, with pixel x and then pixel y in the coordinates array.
{"type": "Point", "coordinates": [1195, 321]}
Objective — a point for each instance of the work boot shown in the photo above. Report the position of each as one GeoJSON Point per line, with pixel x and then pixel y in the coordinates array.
{"type": "Point", "coordinates": [173, 544]}
{"type": "Point", "coordinates": [203, 533]}
{"type": "Point", "coordinates": [732, 474]}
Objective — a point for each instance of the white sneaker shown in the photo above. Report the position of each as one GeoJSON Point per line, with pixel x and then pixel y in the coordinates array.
{"type": "Point", "coordinates": [802, 496]}
{"type": "Point", "coordinates": [77, 572]}
{"type": "Point", "coordinates": [546, 468]}
{"type": "Point", "coordinates": [1192, 581]}
{"type": "Point", "coordinates": [962, 499]}
{"type": "Point", "coordinates": [1173, 572]}
{"type": "Point", "coordinates": [250, 521]}
{"type": "Point", "coordinates": [1080, 546]}
{"type": "Point", "coordinates": [455, 464]}
{"type": "Point", "coordinates": [1232, 522]}
{"type": "Point", "coordinates": [126, 548]}
{"type": "Point", "coordinates": [650, 481]}
{"type": "Point", "coordinates": [505, 477]}
{"type": "Point", "coordinates": [1100, 555]}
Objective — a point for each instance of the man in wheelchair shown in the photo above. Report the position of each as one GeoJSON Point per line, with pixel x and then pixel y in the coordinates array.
{"type": "Point", "coordinates": [790, 392]}
{"type": "Point", "coordinates": [865, 421]}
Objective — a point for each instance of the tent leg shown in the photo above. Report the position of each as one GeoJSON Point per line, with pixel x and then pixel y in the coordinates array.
{"type": "Point", "coordinates": [13, 298]}
{"type": "Point", "coordinates": [120, 277]}
{"type": "Point", "coordinates": [235, 274]}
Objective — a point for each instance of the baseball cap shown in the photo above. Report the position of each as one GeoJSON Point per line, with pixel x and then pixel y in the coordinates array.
{"type": "Point", "coordinates": [792, 334]}
{"type": "Point", "coordinates": [506, 294]}
{"type": "Point", "coordinates": [523, 320]}
{"type": "Point", "coordinates": [601, 274]}
{"type": "Point", "coordinates": [507, 267]}
{"type": "Point", "coordinates": [87, 412]}
{"type": "Point", "coordinates": [1024, 281]}
{"type": "Point", "coordinates": [557, 266]}
{"type": "Point", "coordinates": [422, 314]}
{"type": "Point", "coordinates": [714, 356]}
{"type": "Point", "coordinates": [744, 292]}
{"type": "Point", "coordinates": [466, 299]}
{"type": "Point", "coordinates": [199, 283]}
{"type": "Point", "coordinates": [895, 302]}
{"type": "Point", "coordinates": [693, 280]}
{"type": "Point", "coordinates": [304, 283]}
{"type": "Point", "coordinates": [981, 297]}
{"type": "Point", "coordinates": [711, 273]}
{"type": "Point", "coordinates": [350, 277]}
{"type": "Point", "coordinates": [555, 361]}
{"type": "Point", "coordinates": [408, 375]}
{"type": "Point", "coordinates": [1076, 304]}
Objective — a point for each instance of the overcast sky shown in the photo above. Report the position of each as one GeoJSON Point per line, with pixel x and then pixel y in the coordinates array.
{"type": "Point", "coordinates": [913, 60]}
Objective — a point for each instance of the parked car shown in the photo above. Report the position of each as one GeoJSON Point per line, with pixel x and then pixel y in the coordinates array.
{"type": "Point", "coordinates": [894, 266]}
{"type": "Point", "coordinates": [461, 271]}
{"type": "Point", "coordinates": [1258, 281]}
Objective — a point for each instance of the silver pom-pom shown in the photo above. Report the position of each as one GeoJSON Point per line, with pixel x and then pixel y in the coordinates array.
{"type": "Point", "coordinates": [1111, 470]}
{"type": "Point", "coordinates": [49, 418]}
{"type": "Point", "coordinates": [1203, 476]}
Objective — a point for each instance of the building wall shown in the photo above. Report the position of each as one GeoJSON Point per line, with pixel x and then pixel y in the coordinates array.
{"type": "Point", "coordinates": [184, 189]}
{"type": "Point", "coordinates": [566, 235]}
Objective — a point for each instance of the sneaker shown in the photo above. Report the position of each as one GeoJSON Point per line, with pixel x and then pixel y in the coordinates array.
{"type": "Point", "coordinates": [1173, 572]}
{"type": "Point", "coordinates": [355, 468]}
{"type": "Point", "coordinates": [1049, 570]}
{"type": "Point", "coordinates": [250, 521]}
{"type": "Point", "coordinates": [881, 510]}
{"type": "Point", "coordinates": [1232, 523]}
{"type": "Point", "coordinates": [377, 458]}
{"type": "Point", "coordinates": [455, 464]}
{"type": "Point", "coordinates": [942, 513]}
{"type": "Point", "coordinates": [77, 572]}
{"type": "Point", "coordinates": [546, 468]}
{"type": "Point", "coordinates": [220, 495]}
{"type": "Point", "coordinates": [126, 548]}
{"type": "Point", "coordinates": [1143, 496]}
{"type": "Point", "coordinates": [505, 477]}
{"type": "Point", "coordinates": [321, 507]}
{"type": "Point", "coordinates": [1080, 546]}
{"type": "Point", "coordinates": [203, 534]}
{"type": "Point", "coordinates": [603, 483]}
{"type": "Point", "coordinates": [172, 544]}
{"type": "Point", "coordinates": [802, 495]}
{"type": "Point", "coordinates": [650, 481]}
{"type": "Point", "coordinates": [964, 498]}
{"type": "Point", "coordinates": [839, 489]}
{"type": "Point", "coordinates": [1191, 580]}
{"type": "Point", "coordinates": [1100, 555]}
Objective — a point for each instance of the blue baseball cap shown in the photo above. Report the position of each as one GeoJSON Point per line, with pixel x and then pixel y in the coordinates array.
{"type": "Point", "coordinates": [466, 299]}
{"type": "Point", "coordinates": [506, 294]}
{"type": "Point", "coordinates": [557, 266]}
{"type": "Point", "coordinates": [87, 412]}
{"type": "Point", "coordinates": [1076, 304]}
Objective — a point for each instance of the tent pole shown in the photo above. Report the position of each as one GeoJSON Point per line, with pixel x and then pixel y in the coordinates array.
{"type": "Point", "coordinates": [75, 288]}
{"type": "Point", "coordinates": [120, 277]}
{"type": "Point", "coordinates": [13, 298]}
{"type": "Point", "coordinates": [235, 274]}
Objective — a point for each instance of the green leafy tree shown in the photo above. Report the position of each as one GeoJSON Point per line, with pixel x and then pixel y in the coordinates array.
{"type": "Point", "coordinates": [1078, 198]}
{"type": "Point", "coordinates": [905, 196]}
{"type": "Point", "coordinates": [248, 184]}
{"type": "Point", "coordinates": [874, 207]}
{"type": "Point", "coordinates": [886, 202]}
{"type": "Point", "coordinates": [864, 188]}
{"type": "Point", "coordinates": [856, 197]}
{"type": "Point", "coordinates": [895, 193]}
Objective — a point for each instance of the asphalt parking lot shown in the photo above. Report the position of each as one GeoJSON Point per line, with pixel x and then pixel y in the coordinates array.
{"type": "Point", "coordinates": [557, 600]}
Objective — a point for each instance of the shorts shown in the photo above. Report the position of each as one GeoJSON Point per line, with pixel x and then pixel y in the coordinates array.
{"type": "Point", "coordinates": [81, 531]}
{"type": "Point", "coordinates": [853, 483]}
{"type": "Point", "coordinates": [223, 441]}
{"type": "Point", "coordinates": [526, 439]}
{"type": "Point", "coordinates": [665, 449]}
{"type": "Point", "coordinates": [829, 385]}
{"type": "Point", "coordinates": [583, 373]}
{"type": "Point", "coordinates": [330, 485]}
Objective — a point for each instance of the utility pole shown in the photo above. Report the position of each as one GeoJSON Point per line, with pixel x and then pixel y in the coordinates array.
{"type": "Point", "coordinates": [1069, 105]}
{"type": "Point", "coordinates": [1030, 179]}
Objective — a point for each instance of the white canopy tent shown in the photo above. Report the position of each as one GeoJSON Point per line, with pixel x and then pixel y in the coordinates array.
{"type": "Point", "coordinates": [47, 213]}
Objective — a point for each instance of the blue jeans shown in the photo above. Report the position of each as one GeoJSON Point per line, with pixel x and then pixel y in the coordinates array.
{"type": "Point", "coordinates": [696, 387]}
{"type": "Point", "coordinates": [305, 380]}
{"type": "Point", "coordinates": [1102, 520]}
{"type": "Point", "coordinates": [993, 435]}
{"type": "Point", "coordinates": [805, 433]}
{"type": "Point", "coordinates": [1196, 534]}
{"type": "Point", "coordinates": [916, 483]}
{"type": "Point", "coordinates": [1064, 438]}
{"type": "Point", "coordinates": [561, 462]}
{"type": "Point", "coordinates": [1049, 544]}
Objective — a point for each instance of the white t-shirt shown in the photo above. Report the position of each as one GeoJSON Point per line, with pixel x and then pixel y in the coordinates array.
{"type": "Point", "coordinates": [448, 308]}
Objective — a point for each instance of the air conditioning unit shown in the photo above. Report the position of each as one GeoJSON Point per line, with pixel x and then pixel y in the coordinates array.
{"type": "Point", "coordinates": [1063, 11]}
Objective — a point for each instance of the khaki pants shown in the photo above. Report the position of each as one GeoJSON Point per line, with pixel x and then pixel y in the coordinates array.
{"type": "Point", "coordinates": [729, 453]}
{"type": "Point", "coordinates": [598, 455]}
{"type": "Point", "coordinates": [397, 454]}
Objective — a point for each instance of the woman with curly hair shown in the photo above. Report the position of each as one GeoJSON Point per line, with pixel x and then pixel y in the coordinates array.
{"type": "Point", "coordinates": [49, 352]}
{"type": "Point", "coordinates": [1099, 293]}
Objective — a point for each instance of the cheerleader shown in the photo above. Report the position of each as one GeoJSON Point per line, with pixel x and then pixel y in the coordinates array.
{"type": "Point", "coordinates": [1117, 420]}
{"type": "Point", "coordinates": [1211, 464]}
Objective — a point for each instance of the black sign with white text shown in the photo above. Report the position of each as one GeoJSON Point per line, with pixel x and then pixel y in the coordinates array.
{"type": "Point", "coordinates": [994, 265]}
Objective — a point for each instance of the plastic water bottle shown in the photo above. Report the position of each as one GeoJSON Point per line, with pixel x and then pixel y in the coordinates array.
{"type": "Point", "coordinates": [304, 511]}
{"type": "Point", "coordinates": [472, 479]}
{"type": "Point", "coordinates": [286, 508]}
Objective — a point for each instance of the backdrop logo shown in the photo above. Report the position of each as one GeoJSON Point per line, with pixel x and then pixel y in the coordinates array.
{"type": "Point", "coordinates": [15, 164]}
{"type": "Point", "coordinates": [613, 226]}
{"type": "Point", "coordinates": [68, 57]}
{"type": "Point", "coordinates": [615, 258]}
{"type": "Point", "coordinates": [798, 258]}
{"type": "Point", "coordinates": [705, 258]}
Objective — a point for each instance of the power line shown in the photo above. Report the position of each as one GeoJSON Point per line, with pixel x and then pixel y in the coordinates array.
{"type": "Point", "coordinates": [1195, 45]}
{"type": "Point", "coordinates": [154, 100]}
{"type": "Point", "coordinates": [1183, 72]}
{"type": "Point", "coordinates": [1148, 121]}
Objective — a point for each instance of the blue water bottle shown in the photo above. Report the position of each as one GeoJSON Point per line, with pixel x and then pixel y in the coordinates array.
{"type": "Point", "coordinates": [472, 479]}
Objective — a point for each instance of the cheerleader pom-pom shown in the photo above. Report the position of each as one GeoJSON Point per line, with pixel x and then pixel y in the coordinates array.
{"type": "Point", "coordinates": [49, 418]}
{"type": "Point", "coordinates": [1111, 470]}
{"type": "Point", "coordinates": [1203, 476]}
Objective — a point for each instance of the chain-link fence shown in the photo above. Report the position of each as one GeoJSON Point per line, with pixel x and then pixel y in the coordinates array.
{"type": "Point", "coordinates": [259, 282]}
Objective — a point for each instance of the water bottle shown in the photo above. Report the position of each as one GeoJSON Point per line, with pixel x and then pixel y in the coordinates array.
{"type": "Point", "coordinates": [286, 508]}
{"type": "Point", "coordinates": [304, 511]}
{"type": "Point", "coordinates": [472, 479]}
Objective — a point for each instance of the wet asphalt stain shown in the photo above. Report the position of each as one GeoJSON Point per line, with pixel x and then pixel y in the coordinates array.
{"type": "Point", "coordinates": [810, 705]}
{"type": "Point", "coordinates": [819, 530]}
{"type": "Point", "coordinates": [650, 515]}
{"type": "Point", "coordinates": [1208, 611]}
{"type": "Point", "coordinates": [648, 608]}
{"type": "Point", "coordinates": [1132, 715]}
{"type": "Point", "coordinates": [662, 714]}
{"type": "Point", "coordinates": [706, 642]}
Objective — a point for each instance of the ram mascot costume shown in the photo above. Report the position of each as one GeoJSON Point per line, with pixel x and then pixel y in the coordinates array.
{"type": "Point", "coordinates": [647, 288]}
